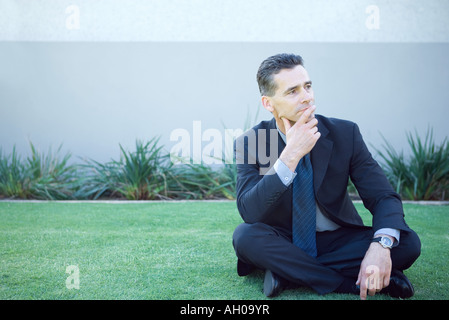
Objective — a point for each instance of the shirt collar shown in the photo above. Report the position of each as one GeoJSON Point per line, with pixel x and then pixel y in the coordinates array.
{"type": "Point", "coordinates": [284, 138]}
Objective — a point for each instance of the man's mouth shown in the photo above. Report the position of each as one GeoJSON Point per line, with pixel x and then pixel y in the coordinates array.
{"type": "Point", "coordinates": [303, 109]}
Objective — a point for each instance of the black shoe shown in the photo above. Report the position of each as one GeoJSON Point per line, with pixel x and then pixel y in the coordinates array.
{"type": "Point", "coordinates": [399, 287]}
{"type": "Point", "coordinates": [273, 284]}
{"type": "Point", "coordinates": [348, 286]}
{"type": "Point", "coordinates": [244, 269]}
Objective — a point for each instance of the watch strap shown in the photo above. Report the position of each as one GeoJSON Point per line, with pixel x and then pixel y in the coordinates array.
{"type": "Point", "coordinates": [378, 239]}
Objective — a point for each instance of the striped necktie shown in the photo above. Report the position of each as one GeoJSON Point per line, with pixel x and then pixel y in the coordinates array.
{"type": "Point", "coordinates": [304, 208]}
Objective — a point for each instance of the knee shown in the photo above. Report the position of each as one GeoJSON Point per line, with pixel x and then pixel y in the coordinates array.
{"type": "Point", "coordinates": [241, 237]}
{"type": "Point", "coordinates": [409, 249]}
{"type": "Point", "coordinates": [249, 237]}
{"type": "Point", "coordinates": [414, 246]}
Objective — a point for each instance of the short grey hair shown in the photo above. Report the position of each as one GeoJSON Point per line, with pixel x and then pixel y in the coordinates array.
{"type": "Point", "coordinates": [272, 66]}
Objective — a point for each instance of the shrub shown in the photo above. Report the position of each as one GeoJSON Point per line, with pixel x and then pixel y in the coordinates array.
{"type": "Point", "coordinates": [51, 177]}
{"type": "Point", "coordinates": [46, 177]}
{"type": "Point", "coordinates": [13, 176]}
{"type": "Point", "coordinates": [424, 175]}
{"type": "Point", "coordinates": [138, 175]}
{"type": "Point", "coordinates": [199, 181]}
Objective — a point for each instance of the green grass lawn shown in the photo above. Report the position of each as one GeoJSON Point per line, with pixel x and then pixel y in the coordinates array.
{"type": "Point", "coordinates": [159, 250]}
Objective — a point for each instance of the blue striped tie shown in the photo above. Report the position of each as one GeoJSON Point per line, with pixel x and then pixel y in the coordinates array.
{"type": "Point", "coordinates": [304, 210]}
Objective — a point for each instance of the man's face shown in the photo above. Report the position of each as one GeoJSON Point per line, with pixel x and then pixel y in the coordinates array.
{"type": "Point", "coordinates": [293, 96]}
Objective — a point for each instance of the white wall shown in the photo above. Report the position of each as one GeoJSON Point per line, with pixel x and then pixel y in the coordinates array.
{"type": "Point", "coordinates": [93, 74]}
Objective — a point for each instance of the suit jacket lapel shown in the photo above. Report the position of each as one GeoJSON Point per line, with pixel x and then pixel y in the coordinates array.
{"type": "Point", "coordinates": [320, 156]}
{"type": "Point", "coordinates": [281, 143]}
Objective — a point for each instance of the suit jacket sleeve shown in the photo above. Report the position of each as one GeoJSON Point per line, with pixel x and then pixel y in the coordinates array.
{"type": "Point", "coordinates": [257, 193]}
{"type": "Point", "coordinates": [374, 189]}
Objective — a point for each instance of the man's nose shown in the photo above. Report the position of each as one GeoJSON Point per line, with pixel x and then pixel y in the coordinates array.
{"type": "Point", "coordinates": [307, 98]}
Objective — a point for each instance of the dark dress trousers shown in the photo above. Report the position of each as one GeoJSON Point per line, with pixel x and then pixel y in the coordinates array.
{"type": "Point", "coordinates": [265, 204]}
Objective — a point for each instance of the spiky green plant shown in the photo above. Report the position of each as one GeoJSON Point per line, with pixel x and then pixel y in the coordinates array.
{"type": "Point", "coordinates": [424, 175]}
{"type": "Point", "coordinates": [40, 176]}
{"type": "Point", "coordinates": [51, 176]}
{"type": "Point", "coordinates": [143, 172]}
{"type": "Point", "coordinates": [201, 181]}
{"type": "Point", "coordinates": [13, 176]}
{"type": "Point", "coordinates": [138, 175]}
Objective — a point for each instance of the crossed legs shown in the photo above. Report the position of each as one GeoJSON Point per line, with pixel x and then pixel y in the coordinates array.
{"type": "Point", "coordinates": [340, 254]}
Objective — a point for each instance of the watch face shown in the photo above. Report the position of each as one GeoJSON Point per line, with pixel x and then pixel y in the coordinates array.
{"type": "Point", "coordinates": [386, 242]}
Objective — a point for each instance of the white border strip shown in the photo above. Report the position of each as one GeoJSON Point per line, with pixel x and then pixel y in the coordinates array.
{"type": "Point", "coordinates": [225, 20]}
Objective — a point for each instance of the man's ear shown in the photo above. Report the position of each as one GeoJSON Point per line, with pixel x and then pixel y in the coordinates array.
{"type": "Point", "coordinates": [266, 102]}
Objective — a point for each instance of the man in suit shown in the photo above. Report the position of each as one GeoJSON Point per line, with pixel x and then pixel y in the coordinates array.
{"type": "Point", "coordinates": [300, 225]}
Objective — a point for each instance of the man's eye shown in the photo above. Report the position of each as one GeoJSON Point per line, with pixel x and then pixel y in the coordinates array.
{"type": "Point", "coordinates": [292, 92]}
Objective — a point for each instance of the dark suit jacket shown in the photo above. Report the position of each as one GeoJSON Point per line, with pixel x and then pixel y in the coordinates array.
{"type": "Point", "coordinates": [339, 153]}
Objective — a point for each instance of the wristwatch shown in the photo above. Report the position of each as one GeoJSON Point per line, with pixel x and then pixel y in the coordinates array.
{"type": "Point", "coordinates": [384, 242]}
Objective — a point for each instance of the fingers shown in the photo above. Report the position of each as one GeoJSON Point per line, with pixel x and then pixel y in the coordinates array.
{"type": "Point", "coordinates": [317, 135]}
{"type": "Point", "coordinates": [305, 117]}
{"type": "Point", "coordinates": [363, 286]}
{"type": "Point", "coordinates": [372, 281]}
{"type": "Point", "coordinates": [287, 124]}
{"type": "Point", "coordinates": [308, 119]}
{"type": "Point", "coordinates": [366, 287]}
{"type": "Point", "coordinates": [372, 290]}
{"type": "Point", "coordinates": [387, 279]}
{"type": "Point", "coordinates": [312, 123]}
{"type": "Point", "coordinates": [358, 283]}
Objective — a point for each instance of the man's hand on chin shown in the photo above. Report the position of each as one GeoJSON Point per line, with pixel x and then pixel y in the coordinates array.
{"type": "Point", "coordinates": [301, 138]}
{"type": "Point", "coordinates": [375, 270]}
